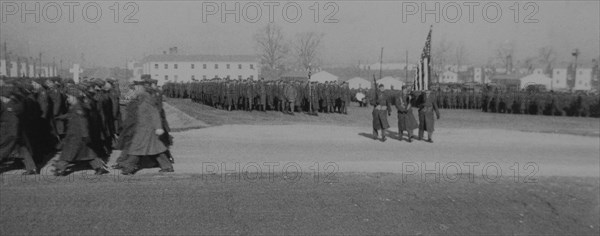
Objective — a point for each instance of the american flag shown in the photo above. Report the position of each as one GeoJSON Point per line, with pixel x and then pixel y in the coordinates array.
{"type": "Point", "coordinates": [423, 69]}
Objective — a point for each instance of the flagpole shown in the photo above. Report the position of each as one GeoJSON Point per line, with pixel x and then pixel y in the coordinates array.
{"type": "Point", "coordinates": [380, 62]}
{"type": "Point", "coordinates": [406, 67]}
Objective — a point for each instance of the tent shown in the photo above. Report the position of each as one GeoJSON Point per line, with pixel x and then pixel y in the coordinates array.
{"type": "Point", "coordinates": [359, 83]}
{"type": "Point", "coordinates": [323, 76]}
{"type": "Point", "coordinates": [389, 82]}
{"type": "Point", "coordinates": [536, 79]}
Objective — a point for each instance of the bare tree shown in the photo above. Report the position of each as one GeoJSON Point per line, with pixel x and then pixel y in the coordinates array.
{"type": "Point", "coordinates": [529, 64]}
{"type": "Point", "coordinates": [273, 50]}
{"type": "Point", "coordinates": [440, 53]}
{"type": "Point", "coordinates": [505, 53]}
{"type": "Point", "coordinates": [306, 48]}
{"type": "Point", "coordinates": [546, 57]}
{"type": "Point", "coordinates": [461, 54]}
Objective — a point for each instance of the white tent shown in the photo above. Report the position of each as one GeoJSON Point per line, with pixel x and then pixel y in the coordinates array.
{"type": "Point", "coordinates": [323, 76]}
{"type": "Point", "coordinates": [536, 79]}
{"type": "Point", "coordinates": [359, 83]}
{"type": "Point", "coordinates": [389, 82]}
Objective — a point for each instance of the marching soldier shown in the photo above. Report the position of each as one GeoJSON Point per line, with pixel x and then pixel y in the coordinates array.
{"type": "Point", "coordinates": [427, 107]}
{"type": "Point", "coordinates": [77, 139]}
{"type": "Point", "coordinates": [145, 140]}
{"type": "Point", "coordinates": [406, 119]}
{"type": "Point", "coordinates": [12, 138]}
{"type": "Point", "coordinates": [381, 110]}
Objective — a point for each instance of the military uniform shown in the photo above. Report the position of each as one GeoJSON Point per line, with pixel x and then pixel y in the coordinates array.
{"type": "Point", "coordinates": [406, 119]}
{"type": "Point", "coordinates": [77, 141]}
{"type": "Point", "coordinates": [381, 110]}
{"type": "Point", "coordinates": [426, 109]}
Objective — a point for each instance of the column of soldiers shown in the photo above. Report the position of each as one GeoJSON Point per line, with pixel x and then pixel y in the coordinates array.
{"type": "Point", "coordinates": [261, 95]}
{"type": "Point", "coordinates": [82, 123]}
{"type": "Point", "coordinates": [522, 102]}
{"type": "Point", "coordinates": [40, 116]}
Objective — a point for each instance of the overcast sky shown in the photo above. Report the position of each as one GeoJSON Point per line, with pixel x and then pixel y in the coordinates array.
{"type": "Point", "coordinates": [362, 28]}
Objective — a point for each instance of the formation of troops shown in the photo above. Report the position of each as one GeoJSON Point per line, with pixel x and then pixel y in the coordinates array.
{"type": "Point", "coordinates": [512, 102]}
{"type": "Point", "coordinates": [261, 95]}
{"type": "Point", "coordinates": [82, 123]}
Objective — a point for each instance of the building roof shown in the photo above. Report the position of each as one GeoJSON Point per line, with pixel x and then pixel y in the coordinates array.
{"type": "Point", "coordinates": [295, 74]}
{"type": "Point", "coordinates": [358, 79]}
{"type": "Point", "coordinates": [505, 77]}
{"type": "Point", "coordinates": [323, 76]}
{"type": "Point", "coordinates": [194, 58]}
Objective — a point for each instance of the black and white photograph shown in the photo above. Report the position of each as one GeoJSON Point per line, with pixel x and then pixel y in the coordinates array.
{"type": "Point", "coordinates": [299, 117]}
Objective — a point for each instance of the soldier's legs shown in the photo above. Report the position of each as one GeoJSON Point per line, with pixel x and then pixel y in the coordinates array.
{"type": "Point", "coordinates": [60, 167]}
{"type": "Point", "coordinates": [421, 125]}
{"type": "Point", "coordinates": [98, 166]}
{"type": "Point", "coordinates": [121, 159]}
{"type": "Point", "coordinates": [130, 164]}
{"type": "Point", "coordinates": [30, 167]}
{"type": "Point", "coordinates": [164, 163]}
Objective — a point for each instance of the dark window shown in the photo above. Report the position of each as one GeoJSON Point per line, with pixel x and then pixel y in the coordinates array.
{"type": "Point", "coordinates": [240, 66]}
{"type": "Point", "coordinates": [252, 66]}
{"type": "Point", "coordinates": [192, 66]}
{"type": "Point", "coordinates": [155, 66]}
{"type": "Point", "coordinates": [175, 66]}
{"type": "Point", "coordinates": [166, 66]}
{"type": "Point", "coordinates": [216, 66]}
{"type": "Point", "coordinates": [228, 66]}
{"type": "Point", "coordinates": [203, 66]}
{"type": "Point", "coordinates": [166, 77]}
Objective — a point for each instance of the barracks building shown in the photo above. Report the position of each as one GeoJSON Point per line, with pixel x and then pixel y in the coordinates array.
{"type": "Point", "coordinates": [186, 68]}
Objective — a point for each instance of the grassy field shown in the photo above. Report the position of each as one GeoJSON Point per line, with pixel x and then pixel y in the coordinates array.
{"type": "Point", "coordinates": [361, 116]}
{"type": "Point", "coordinates": [353, 204]}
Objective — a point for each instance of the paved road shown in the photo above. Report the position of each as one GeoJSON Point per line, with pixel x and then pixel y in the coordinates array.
{"type": "Point", "coordinates": [349, 149]}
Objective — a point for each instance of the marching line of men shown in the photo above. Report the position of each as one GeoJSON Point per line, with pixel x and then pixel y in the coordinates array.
{"type": "Point", "coordinates": [82, 122]}
{"type": "Point", "coordinates": [249, 95]}
{"type": "Point", "coordinates": [425, 101]}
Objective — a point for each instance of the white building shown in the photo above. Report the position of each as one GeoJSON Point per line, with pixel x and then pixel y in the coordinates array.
{"type": "Point", "coordinates": [31, 71]}
{"type": "Point", "coordinates": [583, 79]}
{"type": "Point", "coordinates": [185, 68]}
{"type": "Point", "coordinates": [13, 69]}
{"type": "Point", "coordinates": [359, 83]}
{"type": "Point", "coordinates": [449, 77]}
{"type": "Point", "coordinates": [3, 68]}
{"type": "Point", "coordinates": [137, 70]}
{"type": "Point", "coordinates": [323, 76]}
{"type": "Point", "coordinates": [536, 79]}
{"type": "Point", "coordinates": [559, 79]}
{"type": "Point", "coordinates": [390, 83]}
{"type": "Point", "coordinates": [477, 75]}
{"type": "Point", "coordinates": [538, 71]}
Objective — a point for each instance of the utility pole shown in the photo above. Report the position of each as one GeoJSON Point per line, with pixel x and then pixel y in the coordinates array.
{"type": "Point", "coordinates": [575, 53]}
{"type": "Point", "coordinates": [40, 74]}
